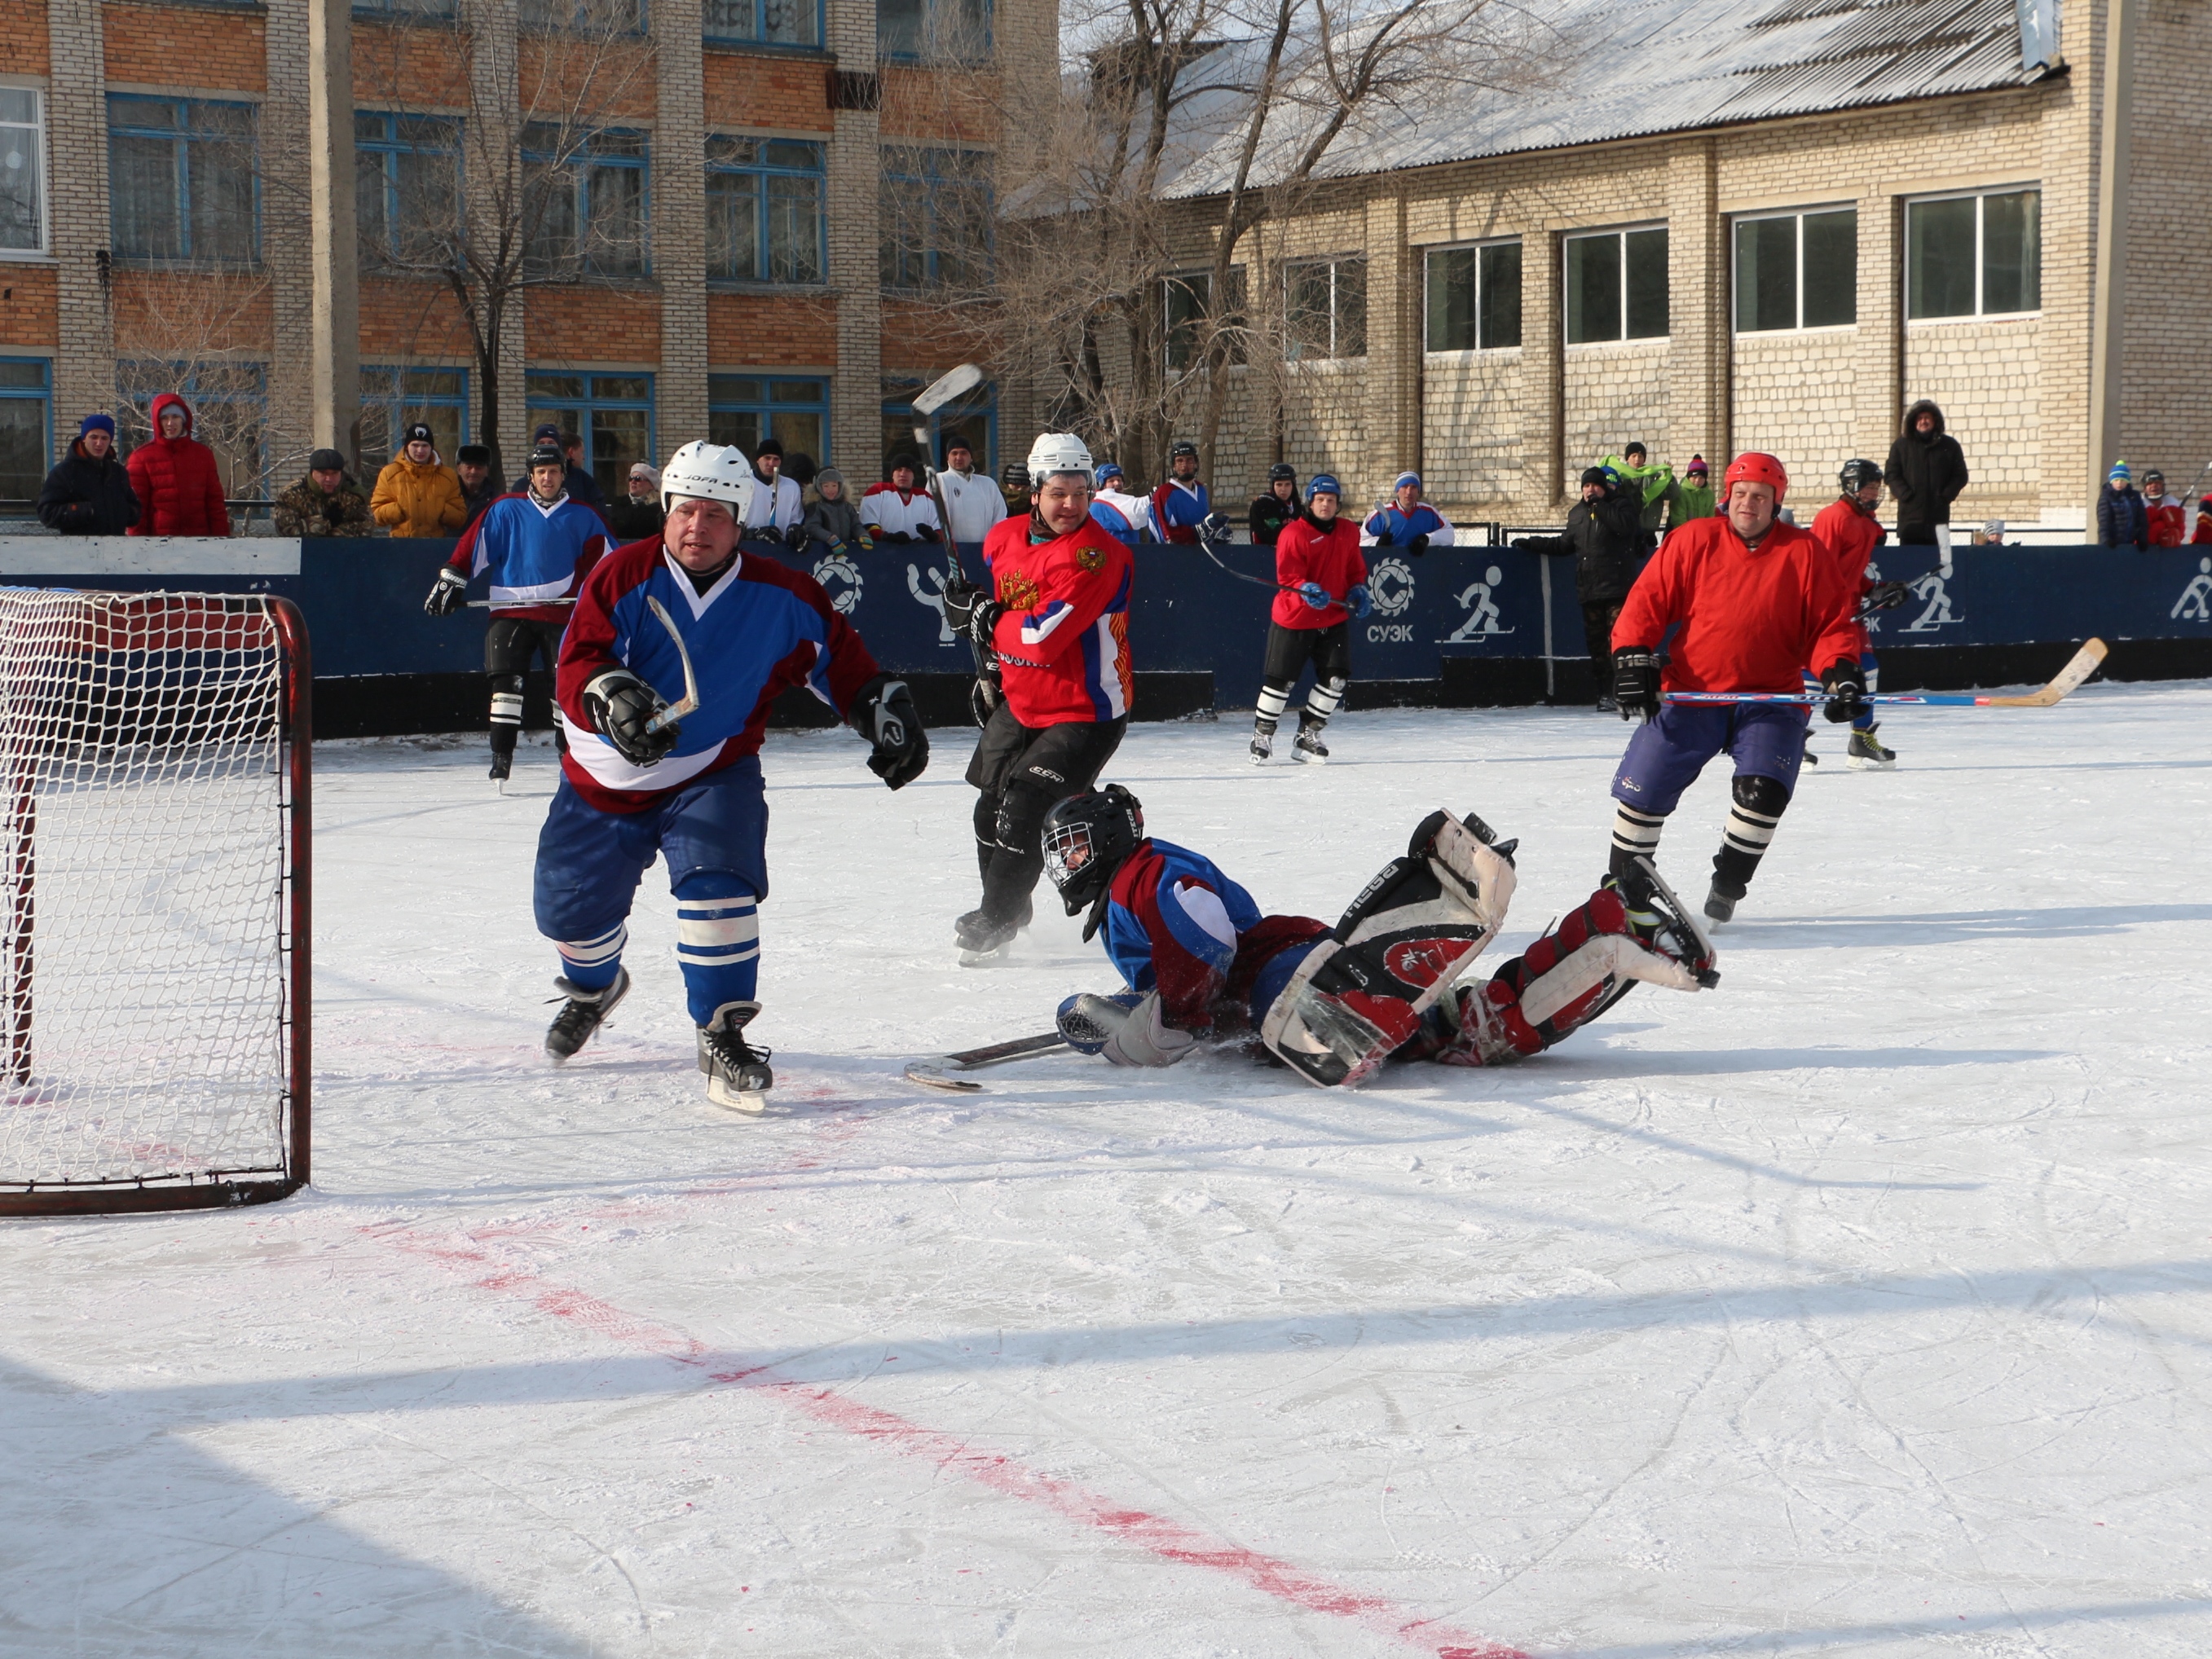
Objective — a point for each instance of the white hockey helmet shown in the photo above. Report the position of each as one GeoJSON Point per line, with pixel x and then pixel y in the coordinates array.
{"type": "Point", "coordinates": [1058, 452]}
{"type": "Point", "coordinates": [710, 472]}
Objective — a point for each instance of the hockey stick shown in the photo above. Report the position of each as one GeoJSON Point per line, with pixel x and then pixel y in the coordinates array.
{"type": "Point", "coordinates": [953, 383]}
{"type": "Point", "coordinates": [1259, 581]}
{"type": "Point", "coordinates": [675, 711]}
{"type": "Point", "coordinates": [485, 604]}
{"type": "Point", "coordinates": [932, 1072]}
{"type": "Point", "coordinates": [2084, 664]}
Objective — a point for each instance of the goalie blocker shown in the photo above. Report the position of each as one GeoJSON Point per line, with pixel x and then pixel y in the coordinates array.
{"type": "Point", "coordinates": [1200, 960]}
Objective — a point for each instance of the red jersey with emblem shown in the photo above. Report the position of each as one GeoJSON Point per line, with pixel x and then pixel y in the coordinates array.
{"type": "Point", "coordinates": [1752, 618]}
{"type": "Point", "coordinates": [1063, 644]}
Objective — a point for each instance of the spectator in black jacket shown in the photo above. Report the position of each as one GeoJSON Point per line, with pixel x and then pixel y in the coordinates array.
{"type": "Point", "coordinates": [1272, 511]}
{"type": "Point", "coordinates": [89, 493]}
{"type": "Point", "coordinates": [472, 467]}
{"type": "Point", "coordinates": [1605, 533]}
{"type": "Point", "coordinates": [638, 514]}
{"type": "Point", "coordinates": [1926, 472]}
{"type": "Point", "coordinates": [2122, 515]}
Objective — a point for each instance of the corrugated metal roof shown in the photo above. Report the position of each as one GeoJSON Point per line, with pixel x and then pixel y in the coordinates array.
{"type": "Point", "coordinates": [1626, 69]}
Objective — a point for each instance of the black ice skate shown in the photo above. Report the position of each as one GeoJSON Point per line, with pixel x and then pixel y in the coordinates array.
{"type": "Point", "coordinates": [1720, 908]}
{"type": "Point", "coordinates": [1869, 753]}
{"type": "Point", "coordinates": [1310, 748]}
{"type": "Point", "coordinates": [585, 1013]}
{"type": "Point", "coordinates": [982, 941]}
{"type": "Point", "coordinates": [1263, 742]}
{"type": "Point", "coordinates": [737, 1074]}
{"type": "Point", "coordinates": [501, 767]}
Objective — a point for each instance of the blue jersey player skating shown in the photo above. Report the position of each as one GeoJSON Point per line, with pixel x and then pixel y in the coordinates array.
{"type": "Point", "coordinates": [686, 615]}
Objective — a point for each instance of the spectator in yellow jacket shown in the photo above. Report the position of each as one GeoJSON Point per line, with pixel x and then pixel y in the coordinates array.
{"type": "Point", "coordinates": [416, 494]}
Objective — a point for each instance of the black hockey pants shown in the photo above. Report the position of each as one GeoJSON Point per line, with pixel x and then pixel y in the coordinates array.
{"type": "Point", "coordinates": [1023, 773]}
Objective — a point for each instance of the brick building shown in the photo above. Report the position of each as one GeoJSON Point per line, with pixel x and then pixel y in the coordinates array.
{"type": "Point", "coordinates": [1716, 227]}
{"type": "Point", "coordinates": [715, 207]}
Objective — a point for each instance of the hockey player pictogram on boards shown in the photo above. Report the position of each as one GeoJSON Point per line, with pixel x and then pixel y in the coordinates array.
{"type": "Point", "coordinates": [2195, 603]}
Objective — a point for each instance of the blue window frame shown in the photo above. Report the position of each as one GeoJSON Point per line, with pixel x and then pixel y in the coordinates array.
{"type": "Point", "coordinates": [183, 183]}
{"type": "Point", "coordinates": [973, 417]}
{"type": "Point", "coordinates": [394, 397]}
{"type": "Point", "coordinates": [585, 16]}
{"type": "Point", "coordinates": [933, 31]}
{"type": "Point", "coordinates": [26, 421]}
{"type": "Point", "coordinates": [934, 217]}
{"type": "Point", "coordinates": [407, 186]}
{"type": "Point", "coordinates": [230, 412]}
{"type": "Point", "coordinates": [792, 409]}
{"type": "Point", "coordinates": [585, 201]}
{"type": "Point", "coordinates": [764, 22]}
{"type": "Point", "coordinates": [404, 10]}
{"type": "Point", "coordinates": [764, 219]}
{"type": "Point", "coordinates": [612, 413]}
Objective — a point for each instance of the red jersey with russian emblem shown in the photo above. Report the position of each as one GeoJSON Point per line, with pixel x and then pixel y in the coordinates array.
{"type": "Point", "coordinates": [1063, 643]}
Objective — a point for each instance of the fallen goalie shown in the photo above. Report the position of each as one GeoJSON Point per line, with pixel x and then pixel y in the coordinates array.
{"type": "Point", "coordinates": [1201, 962]}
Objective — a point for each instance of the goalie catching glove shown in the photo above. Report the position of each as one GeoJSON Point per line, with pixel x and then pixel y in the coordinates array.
{"type": "Point", "coordinates": [883, 712]}
{"type": "Point", "coordinates": [621, 706]}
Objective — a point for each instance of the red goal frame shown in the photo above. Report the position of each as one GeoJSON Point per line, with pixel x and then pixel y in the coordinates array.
{"type": "Point", "coordinates": [212, 1189]}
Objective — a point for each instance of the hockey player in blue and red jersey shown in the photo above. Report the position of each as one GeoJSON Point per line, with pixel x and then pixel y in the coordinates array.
{"type": "Point", "coordinates": [1181, 506]}
{"type": "Point", "coordinates": [686, 614]}
{"type": "Point", "coordinates": [1200, 962]}
{"type": "Point", "coordinates": [537, 547]}
{"type": "Point", "coordinates": [1056, 624]}
{"type": "Point", "coordinates": [1757, 600]}
{"type": "Point", "coordinates": [1127, 519]}
{"type": "Point", "coordinates": [1407, 521]}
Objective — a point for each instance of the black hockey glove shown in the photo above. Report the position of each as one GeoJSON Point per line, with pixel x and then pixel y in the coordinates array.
{"type": "Point", "coordinates": [445, 592]}
{"type": "Point", "coordinates": [795, 539]}
{"type": "Point", "coordinates": [884, 714]}
{"type": "Point", "coordinates": [984, 698]}
{"type": "Point", "coordinates": [983, 624]}
{"type": "Point", "coordinates": [897, 537]}
{"type": "Point", "coordinates": [960, 596]}
{"type": "Point", "coordinates": [1636, 683]}
{"type": "Point", "coordinates": [1418, 545]}
{"type": "Point", "coordinates": [1884, 596]}
{"type": "Point", "coordinates": [1214, 531]}
{"type": "Point", "coordinates": [1846, 687]}
{"type": "Point", "coordinates": [619, 704]}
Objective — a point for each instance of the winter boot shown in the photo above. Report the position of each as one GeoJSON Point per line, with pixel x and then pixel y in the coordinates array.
{"type": "Point", "coordinates": [1263, 741]}
{"type": "Point", "coordinates": [583, 1014]}
{"type": "Point", "coordinates": [1869, 753]}
{"type": "Point", "coordinates": [737, 1074]}
{"type": "Point", "coordinates": [1309, 747]}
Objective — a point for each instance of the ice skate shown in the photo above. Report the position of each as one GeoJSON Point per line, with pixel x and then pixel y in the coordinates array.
{"type": "Point", "coordinates": [585, 1013]}
{"type": "Point", "coordinates": [1606, 705]}
{"type": "Point", "coordinates": [1869, 753]}
{"type": "Point", "coordinates": [737, 1074]}
{"type": "Point", "coordinates": [1310, 748]}
{"type": "Point", "coordinates": [1719, 908]}
{"type": "Point", "coordinates": [983, 941]}
{"type": "Point", "coordinates": [1263, 742]}
{"type": "Point", "coordinates": [502, 766]}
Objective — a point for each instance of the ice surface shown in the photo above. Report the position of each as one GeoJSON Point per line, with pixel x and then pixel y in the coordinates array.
{"type": "Point", "coordinates": [1862, 1306]}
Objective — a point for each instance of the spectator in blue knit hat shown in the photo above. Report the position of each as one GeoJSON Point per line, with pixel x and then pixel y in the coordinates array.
{"type": "Point", "coordinates": [2122, 517]}
{"type": "Point", "coordinates": [1406, 520]}
{"type": "Point", "coordinates": [89, 493]}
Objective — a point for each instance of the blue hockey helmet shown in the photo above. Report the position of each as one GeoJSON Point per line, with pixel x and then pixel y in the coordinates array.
{"type": "Point", "coordinates": [1322, 484]}
{"type": "Point", "coordinates": [1106, 470]}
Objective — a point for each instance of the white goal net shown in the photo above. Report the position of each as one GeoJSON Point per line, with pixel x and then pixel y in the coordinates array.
{"type": "Point", "coordinates": [152, 894]}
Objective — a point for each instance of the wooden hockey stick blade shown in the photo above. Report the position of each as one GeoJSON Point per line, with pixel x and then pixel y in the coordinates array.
{"type": "Point", "coordinates": [676, 711]}
{"type": "Point", "coordinates": [930, 1076]}
{"type": "Point", "coordinates": [2085, 662]}
{"type": "Point", "coordinates": [932, 1073]}
{"type": "Point", "coordinates": [947, 387]}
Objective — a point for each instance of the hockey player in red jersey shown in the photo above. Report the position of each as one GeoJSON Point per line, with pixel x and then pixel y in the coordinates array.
{"type": "Point", "coordinates": [1847, 527]}
{"type": "Point", "coordinates": [1056, 623]}
{"type": "Point", "coordinates": [1199, 961]}
{"type": "Point", "coordinates": [1324, 577]}
{"type": "Point", "coordinates": [1757, 599]}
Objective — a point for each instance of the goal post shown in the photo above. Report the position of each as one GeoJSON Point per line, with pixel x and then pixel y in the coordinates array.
{"type": "Point", "coordinates": [155, 887]}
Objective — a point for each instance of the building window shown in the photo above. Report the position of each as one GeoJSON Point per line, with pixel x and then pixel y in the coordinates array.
{"type": "Point", "coordinates": [765, 22]}
{"type": "Point", "coordinates": [764, 221]}
{"type": "Point", "coordinates": [407, 187]}
{"type": "Point", "coordinates": [1474, 297]}
{"type": "Point", "coordinates": [1617, 285]}
{"type": "Point", "coordinates": [933, 31]}
{"type": "Point", "coordinates": [583, 201]}
{"type": "Point", "coordinates": [584, 16]}
{"type": "Point", "coordinates": [181, 180]}
{"type": "Point", "coordinates": [1974, 256]}
{"type": "Point", "coordinates": [1325, 308]}
{"type": "Point", "coordinates": [742, 409]}
{"type": "Point", "coordinates": [973, 418]}
{"type": "Point", "coordinates": [935, 217]}
{"type": "Point", "coordinates": [1797, 270]}
{"type": "Point", "coordinates": [384, 11]}
{"type": "Point", "coordinates": [612, 413]}
{"type": "Point", "coordinates": [394, 399]}
{"type": "Point", "coordinates": [229, 402]}
{"type": "Point", "coordinates": [25, 427]}
{"type": "Point", "coordinates": [1187, 315]}
{"type": "Point", "coordinates": [22, 151]}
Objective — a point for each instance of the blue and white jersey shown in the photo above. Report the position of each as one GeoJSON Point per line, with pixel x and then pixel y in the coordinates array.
{"type": "Point", "coordinates": [762, 629]}
{"type": "Point", "coordinates": [1399, 527]}
{"type": "Point", "coordinates": [537, 557]}
{"type": "Point", "coordinates": [1172, 925]}
{"type": "Point", "coordinates": [1180, 510]}
{"type": "Point", "coordinates": [1127, 519]}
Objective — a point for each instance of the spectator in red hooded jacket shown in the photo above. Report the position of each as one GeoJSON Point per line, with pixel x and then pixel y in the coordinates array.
{"type": "Point", "coordinates": [179, 486]}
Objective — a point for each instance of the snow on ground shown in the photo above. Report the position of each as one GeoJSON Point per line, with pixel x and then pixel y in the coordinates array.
{"type": "Point", "coordinates": [1862, 1306]}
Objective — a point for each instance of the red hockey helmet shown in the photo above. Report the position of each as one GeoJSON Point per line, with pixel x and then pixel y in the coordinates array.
{"type": "Point", "coordinates": [1753, 467]}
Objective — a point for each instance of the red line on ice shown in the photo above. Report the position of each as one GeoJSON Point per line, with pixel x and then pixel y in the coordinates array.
{"type": "Point", "coordinates": [1171, 1540]}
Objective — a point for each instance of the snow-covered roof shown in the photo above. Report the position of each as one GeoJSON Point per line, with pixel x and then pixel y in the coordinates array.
{"type": "Point", "coordinates": [1622, 69]}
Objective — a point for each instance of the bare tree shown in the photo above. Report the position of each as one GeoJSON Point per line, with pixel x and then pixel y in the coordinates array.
{"type": "Point", "coordinates": [539, 180]}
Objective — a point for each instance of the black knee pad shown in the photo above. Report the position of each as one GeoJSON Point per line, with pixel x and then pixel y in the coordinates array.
{"type": "Point", "coordinates": [1020, 824]}
{"type": "Point", "coordinates": [1763, 795]}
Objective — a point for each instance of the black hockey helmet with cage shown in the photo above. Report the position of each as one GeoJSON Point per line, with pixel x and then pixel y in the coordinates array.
{"type": "Point", "coordinates": [1858, 475]}
{"type": "Point", "coordinates": [1087, 838]}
